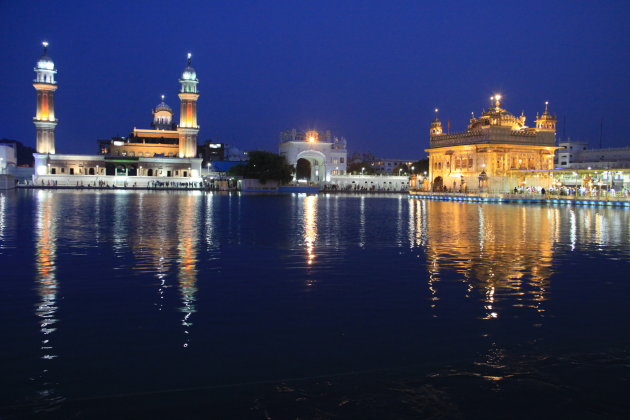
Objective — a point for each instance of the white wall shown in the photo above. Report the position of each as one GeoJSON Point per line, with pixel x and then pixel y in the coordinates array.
{"type": "Point", "coordinates": [8, 157]}
{"type": "Point", "coordinates": [93, 180]}
{"type": "Point", "coordinates": [378, 182]}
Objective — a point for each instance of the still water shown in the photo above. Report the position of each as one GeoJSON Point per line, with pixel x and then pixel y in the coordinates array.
{"type": "Point", "coordinates": [120, 304]}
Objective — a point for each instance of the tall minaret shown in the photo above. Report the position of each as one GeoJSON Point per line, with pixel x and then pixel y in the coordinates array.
{"type": "Point", "coordinates": [45, 85]}
{"type": "Point", "coordinates": [188, 127]}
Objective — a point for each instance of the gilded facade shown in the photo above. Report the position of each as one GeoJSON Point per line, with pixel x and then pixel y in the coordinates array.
{"type": "Point", "coordinates": [496, 153]}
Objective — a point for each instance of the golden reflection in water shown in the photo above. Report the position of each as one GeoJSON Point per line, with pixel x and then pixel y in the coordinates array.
{"type": "Point", "coordinates": [45, 264]}
{"type": "Point", "coordinates": [310, 227]}
{"type": "Point", "coordinates": [510, 257]}
{"type": "Point", "coordinates": [187, 234]}
{"type": "Point", "coordinates": [152, 242]}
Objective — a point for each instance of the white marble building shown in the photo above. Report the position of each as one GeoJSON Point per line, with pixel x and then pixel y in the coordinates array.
{"type": "Point", "coordinates": [315, 157]}
{"type": "Point", "coordinates": [165, 155]}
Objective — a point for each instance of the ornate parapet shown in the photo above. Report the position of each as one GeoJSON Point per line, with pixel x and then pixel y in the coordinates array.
{"type": "Point", "coordinates": [492, 136]}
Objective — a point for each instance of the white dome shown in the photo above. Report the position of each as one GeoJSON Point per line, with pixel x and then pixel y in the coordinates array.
{"type": "Point", "coordinates": [45, 63]}
{"type": "Point", "coordinates": [189, 73]}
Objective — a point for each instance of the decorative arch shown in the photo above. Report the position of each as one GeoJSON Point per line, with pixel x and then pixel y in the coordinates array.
{"type": "Point", "coordinates": [317, 162]}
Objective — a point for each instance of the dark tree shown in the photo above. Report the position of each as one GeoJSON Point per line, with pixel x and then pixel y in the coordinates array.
{"type": "Point", "coordinates": [401, 169]}
{"type": "Point", "coordinates": [264, 166]}
{"type": "Point", "coordinates": [421, 166]}
{"type": "Point", "coordinates": [357, 168]}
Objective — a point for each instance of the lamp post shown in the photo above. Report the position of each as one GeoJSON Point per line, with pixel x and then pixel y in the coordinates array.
{"type": "Point", "coordinates": [97, 170]}
{"type": "Point", "coordinates": [399, 171]}
{"type": "Point", "coordinates": [362, 169]}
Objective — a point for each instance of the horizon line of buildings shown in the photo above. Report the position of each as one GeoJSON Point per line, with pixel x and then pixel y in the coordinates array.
{"type": "Point", "coordinates": [496, 152]}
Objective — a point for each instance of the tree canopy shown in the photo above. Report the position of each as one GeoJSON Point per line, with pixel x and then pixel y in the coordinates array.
{"type": "Point", "coordinates": [264, 166]}
{"type": "Point", "coordinates": [361, 167]}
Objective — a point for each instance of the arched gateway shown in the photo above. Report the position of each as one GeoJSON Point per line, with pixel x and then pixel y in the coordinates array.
{"type": "Point", "coordinates": [311, 165]}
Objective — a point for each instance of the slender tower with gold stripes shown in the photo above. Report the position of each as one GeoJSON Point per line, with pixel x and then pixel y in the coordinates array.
{"type": "Point", "coordinates": [45, 85]}
{"type": "Point", "coordinates": [188, 128]}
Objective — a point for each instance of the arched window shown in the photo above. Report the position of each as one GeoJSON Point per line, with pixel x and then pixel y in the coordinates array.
{"type": "Point", "coordinates": [71, 171]}
{"type": "Point", "coordinates": [91, 171]}
{"type": "Point", "coordinates": [53, 171]}
{"type": "Point", "coordinates": [150, 172]}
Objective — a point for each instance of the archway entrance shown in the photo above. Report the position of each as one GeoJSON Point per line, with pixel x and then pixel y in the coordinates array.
{"type": "Point", "coordinates": [303, 170]}
{"type": "Point", "coordinates": [438, 184]}
{"type": "Point", "coordinates": [310, 166]}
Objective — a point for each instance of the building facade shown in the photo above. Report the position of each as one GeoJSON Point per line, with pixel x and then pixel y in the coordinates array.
{"type": "Point", "coordinates": [316, 157]}
{"type": "Point", "coordinates": [387, 166]}
{"type": "Point", "coordinates": [577, 155]}
{"type": "Point", "coordinates": [165, 153]}
{"type": "Point", "coordinates": [497, 152]}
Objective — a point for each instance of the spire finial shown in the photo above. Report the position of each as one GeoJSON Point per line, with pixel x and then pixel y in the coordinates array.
{"type": "Point", "coordinates": [189, 58]}
{"type": "Point", "coordinates": [162, 98]}
{"type": "Point", "coordinates": [45, 44]}
{"type": "Point", "coordinates": [546, 106]}
{"type": "Point", "coordinates": [497, 100]}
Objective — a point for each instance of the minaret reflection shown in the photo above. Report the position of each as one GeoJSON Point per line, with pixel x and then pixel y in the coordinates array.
{"type": "Point", "coordinates": [309, 230]}
{"type": "Point", "coordinates": [188, 234]}
{"type": "Point", "coordinates": [47, 287]}
{"type": "Point", "coordinates": [45, 263]}
{"type": "Point", "coordinates": [504, 252]}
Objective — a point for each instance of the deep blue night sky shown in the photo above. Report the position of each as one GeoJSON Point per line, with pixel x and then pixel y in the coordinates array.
{"type": "Point", "coordinates": [371, 71]}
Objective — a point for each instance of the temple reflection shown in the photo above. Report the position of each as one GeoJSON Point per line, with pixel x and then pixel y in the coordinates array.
{"type": "Point", "coordinates": [506, 252]}
{"type": "Point", "coordinates": [489, 248]}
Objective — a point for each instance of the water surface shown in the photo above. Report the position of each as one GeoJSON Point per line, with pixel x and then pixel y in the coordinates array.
{"type": "Point", "coordinates": [325, 306]}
